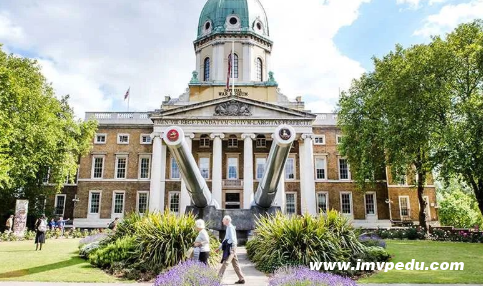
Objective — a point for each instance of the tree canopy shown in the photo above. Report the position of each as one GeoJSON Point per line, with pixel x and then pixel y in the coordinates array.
{"type": "Point", "coordinates": [39, 134]}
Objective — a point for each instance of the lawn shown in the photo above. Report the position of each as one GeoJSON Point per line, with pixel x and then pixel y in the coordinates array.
{"type": "Point", "coordinates": [58, 261]}
{"type": "Point", "coordinates": [429, 251]}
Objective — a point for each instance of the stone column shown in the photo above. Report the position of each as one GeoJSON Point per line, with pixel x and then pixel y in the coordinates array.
{"type": "Point", "coordinates": [280, 197]}
{"type": "Point", "coordinates": [185, 198]}
{"type": "Point", "coordinates": [198, 64]}
{"type": "Point", "coordinates": [216, 178]}
{"type": "Point", "coordinates": [157, 186]}
{"type": "Point", "coordinates": [248, 195]}
{"type": "Point", "coordinates": [308, 177]}
{"type": "Point", "coordinates": [247, 62]}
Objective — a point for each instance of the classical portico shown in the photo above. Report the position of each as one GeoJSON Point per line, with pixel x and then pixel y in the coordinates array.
{"type": "Point", "coordinates": [222, 119]}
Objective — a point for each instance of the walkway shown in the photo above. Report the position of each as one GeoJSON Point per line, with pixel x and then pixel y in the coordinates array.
{"type": "Point", "coordinates": [253, 277]}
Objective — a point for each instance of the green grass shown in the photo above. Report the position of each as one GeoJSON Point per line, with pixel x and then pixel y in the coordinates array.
{"type": "Point", "coordinates": [429, 251]}
{"type": "Point", "coordinates": [57, 262]}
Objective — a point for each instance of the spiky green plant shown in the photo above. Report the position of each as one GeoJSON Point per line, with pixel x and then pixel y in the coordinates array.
{"type": "Point", "coordinates": [298, 240]}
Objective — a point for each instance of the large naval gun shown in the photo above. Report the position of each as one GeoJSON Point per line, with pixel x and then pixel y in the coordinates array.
{"type": "Point", "coordinates": [205, 207]}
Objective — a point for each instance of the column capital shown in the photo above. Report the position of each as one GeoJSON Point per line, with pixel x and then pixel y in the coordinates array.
{"type": "Point", "coordinates": [156, 134]}
{"type": "Point", "coordinates": [220, 135]}
{"type": "Point", "coordinates": [248, 135]}
{"type": "Point", "coordinates": [189, 135]}
{"type": "Point", "coordinates": [307, 136]}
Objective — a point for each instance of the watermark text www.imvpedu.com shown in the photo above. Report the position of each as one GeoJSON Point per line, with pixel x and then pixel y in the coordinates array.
{"type": "Point", "coordinates": [386, 266]}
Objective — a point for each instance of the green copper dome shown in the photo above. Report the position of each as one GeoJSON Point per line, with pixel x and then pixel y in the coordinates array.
{"type": "Point", "coordinates": [233, 16]}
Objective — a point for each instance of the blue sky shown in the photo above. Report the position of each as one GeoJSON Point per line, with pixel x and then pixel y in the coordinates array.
{"type": "Point", "coordinates": [94, 50]}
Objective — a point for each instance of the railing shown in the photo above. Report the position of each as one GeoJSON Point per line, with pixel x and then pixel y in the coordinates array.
{"type": "Point", "coordinates": [233, 184]}
{"type": "Point", "coordinates": [120, 117]}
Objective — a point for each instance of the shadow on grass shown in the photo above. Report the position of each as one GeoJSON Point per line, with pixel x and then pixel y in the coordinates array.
{"type": "Point", "coordinates": [53, 266]}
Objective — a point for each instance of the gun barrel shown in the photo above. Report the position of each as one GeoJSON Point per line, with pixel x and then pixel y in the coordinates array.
{"type": "Point", "coordinates": [283, 138]}
{"type": "Point", "coordinates": [195, 183]}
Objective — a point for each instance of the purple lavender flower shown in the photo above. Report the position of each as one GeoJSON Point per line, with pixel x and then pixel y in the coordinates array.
{"type": "Point", "coordinates": [302, 276]}
{"type": "Point", "coordinates": [189, 273]}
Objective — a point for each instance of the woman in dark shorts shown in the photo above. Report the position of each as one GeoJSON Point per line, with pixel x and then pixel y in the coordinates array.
{"type": "Point", "coordinates": [40, 228]}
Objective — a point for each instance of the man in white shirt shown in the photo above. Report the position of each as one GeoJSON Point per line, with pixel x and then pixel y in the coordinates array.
{"type": "Point", "coordinates": [231, 241]}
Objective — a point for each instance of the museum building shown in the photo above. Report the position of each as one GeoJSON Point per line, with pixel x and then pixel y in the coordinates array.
{"type": "Point", "coordinates": [130, 169]}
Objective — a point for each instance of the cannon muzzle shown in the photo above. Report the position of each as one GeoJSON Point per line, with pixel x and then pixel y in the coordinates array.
{"type": "Point", "coordinates": [195, 183]}
{"type": "Point", "coordinates": [283, 138]}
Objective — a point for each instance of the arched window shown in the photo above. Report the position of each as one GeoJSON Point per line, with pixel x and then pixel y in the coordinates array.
{"type": "Point", "coordinates": [206, 75]}
{"type": "Point", "coordinates": [259, 69]}
{"type": "Point", "coordinates": [234, 69]}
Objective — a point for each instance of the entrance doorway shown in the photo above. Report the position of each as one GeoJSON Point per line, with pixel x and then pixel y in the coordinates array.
{"type": "Point", "coordinates": [232, 201]}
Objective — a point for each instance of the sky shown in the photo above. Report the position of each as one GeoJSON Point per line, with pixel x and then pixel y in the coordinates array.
{"type": "Point", "coordinates": [94, 50]}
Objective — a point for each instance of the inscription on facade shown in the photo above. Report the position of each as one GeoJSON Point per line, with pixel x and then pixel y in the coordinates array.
{"type": "Point", "coordinates": [238, 122]}
{"type": "Point", "coordinates": [238, 92]}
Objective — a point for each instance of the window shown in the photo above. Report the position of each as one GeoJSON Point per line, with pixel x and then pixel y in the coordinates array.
{"type": "Point", "coordinates": [72, 181]}
{"type": "Point", "coordinates": [346, 203]}
{"type": "Point", "coordinates": [232, 168]}
{"type": "Point", "coordinates": [123, 139]}
{"type": "Point", "coordinates": [319, 140]}
{"type": "Point", "coordinates": [290, 203]}
{"type": "Point", "coordinates": [259, 69]}
{"type": "Point", "coordinates": [370, 200]}
{"type": "Point", "coordinates": [118, 203]}
{"type": "Point", "coordinates": [403, 181]}
{"type": "Point", "coordinates": [204, 141]}
{"type": "Point", "coordinates": [204, 163]}
{"type": "Point", "coordinates": [174, 202]}
{"type": "Point", "coordinates": [234, 68]}
{"type": "Point", "coordinates": [144, 167]}
{"type": "Point", "coordinates": [344, 173]}
{"type": "Point", "coordinates": [121, 167]}
{"type": "Point", "coordinates": [94, 202]}
{"type": "Point", "coordinates": [100, 138]}
{"type": "Point", "coordinates": [261, 141]}
{"type": "Point", "coordinates": [338, 139]}
{"type": "Point", "coordinates": [174, 169]}
{"type": "Point", "coordinates": [142, 202]}
{"type": "Point", "coordinates": [322, 202]}
{"type": "Point", "coordinates": [260, 168]}
{"type": "Point", "coordinates": [233, 141]}
{"type": "Point", "coordinates": [232, 201]}
{"type": "Point", "coordinates": [97, 167]}
{"type": "Point", "coordinates": [404, 206]}
{"type": "Point", "coordinates": [290, 169]}
{"type": "Point", "coordinates": [46, 177]}
{"type": "Point", "coordinates": [145, 139]}
{"type": "Point", "coordinates": [60, 204]}
{"type": "Point", "coordinates": [206, 75]}
{"type": "Point", "coordinates": [320, 167]}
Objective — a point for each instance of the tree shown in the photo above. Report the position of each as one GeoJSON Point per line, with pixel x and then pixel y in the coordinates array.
{"type": "Point", "coordinates": [390, 116]}
{"type": "Point", "coordinates": [461, 151]}
{"type": "Point", "coordinates": [458, 206]}
{"type": "Point", "coordinates": [39, 134]}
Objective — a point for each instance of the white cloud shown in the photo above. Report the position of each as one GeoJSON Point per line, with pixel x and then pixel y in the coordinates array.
{"type": "Point", "coordinates": [95, 50]}
{"type": "Point", "coordinates": [415, 4]}
{"type": "Point", "coordinates": [449, 17]}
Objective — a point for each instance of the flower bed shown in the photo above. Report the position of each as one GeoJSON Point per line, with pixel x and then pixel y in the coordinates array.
{"type": "Point", "coordinates": [50, 234]}
{"type": "Point", "coordinates": [189, 273]}
{"type": "Point", "coordinates": [436, 234]}
{"type": "Point", "coordinates": [301, 276]}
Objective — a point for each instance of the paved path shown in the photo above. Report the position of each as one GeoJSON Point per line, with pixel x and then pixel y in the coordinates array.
{"type": "Point", "coordinates": [69, 284]}
{"type": "Point", "coordinates": [253, 277]}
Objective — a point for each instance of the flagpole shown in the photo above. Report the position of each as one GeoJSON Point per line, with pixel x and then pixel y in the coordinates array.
{"type": "Point", "coordinates": [233, 67]}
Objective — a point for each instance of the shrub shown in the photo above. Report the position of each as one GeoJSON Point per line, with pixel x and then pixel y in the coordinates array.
{"type": "Point", "coordinates": [121, 250]}
{"type": "Point", "coordinates": [372, 239]}
{"type": "Point", "coordinates": [291, 241]}
{"type": "Point", "coordinates": [375, 254]}
{"type": "Point", "coordinates": [301, 276]}
{"type": "Point", "coordinates": [92, 238]}
{"type": "Point", "coordinates": [190, 273]}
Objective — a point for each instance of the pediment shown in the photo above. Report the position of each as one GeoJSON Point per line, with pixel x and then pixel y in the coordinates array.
{"type": "Point", "coordinates": [233, 107]}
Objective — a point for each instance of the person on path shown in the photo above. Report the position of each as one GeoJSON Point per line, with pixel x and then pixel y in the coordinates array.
{"type": "Point", "coordinates": [9, 224]}
{"type": "Point", "coordinates": [228, 246]}
{"type": "Point", "coordinates": [202, 241]}
{"type": "Point", "coordinates": [52, 224]}
{"type": "Point", "coordinates": [40, 228]}
{"type": "Point", "coordinates": [61, 224]}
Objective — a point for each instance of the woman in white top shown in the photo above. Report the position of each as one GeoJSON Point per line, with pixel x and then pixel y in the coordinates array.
{"type": "Point", "coordinates": [202, 241]}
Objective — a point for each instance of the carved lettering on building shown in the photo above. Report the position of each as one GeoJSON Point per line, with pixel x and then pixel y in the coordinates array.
{"type": "Point", "coordinates": [238, 122]}
{"type": "Point", "coordinates": [238, 92]}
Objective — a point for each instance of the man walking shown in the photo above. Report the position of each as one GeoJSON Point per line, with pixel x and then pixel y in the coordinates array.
{"type": "Point", "coordinates": [229, 251]}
